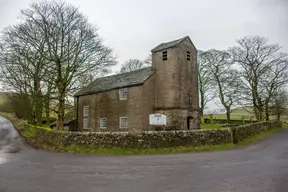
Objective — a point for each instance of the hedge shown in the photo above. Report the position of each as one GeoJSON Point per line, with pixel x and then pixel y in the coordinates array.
{"type": "Point", "coordinates": [39, 137]}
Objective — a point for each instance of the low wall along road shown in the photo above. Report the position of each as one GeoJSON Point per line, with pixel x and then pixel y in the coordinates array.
{"type": "Point", "coordinates": [151, 139]}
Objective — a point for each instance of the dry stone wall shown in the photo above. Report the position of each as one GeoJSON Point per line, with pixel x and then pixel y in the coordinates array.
{"type": "Point", "coordinates": [150, 139]}
{"type": "Point", "coordinates": [242, 132]}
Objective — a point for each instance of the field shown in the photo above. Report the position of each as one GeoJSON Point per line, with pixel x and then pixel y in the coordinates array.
{"type": "Point", "coordinates": [236, 114]}
{"type": "Point", "coordinates": [209, 126]}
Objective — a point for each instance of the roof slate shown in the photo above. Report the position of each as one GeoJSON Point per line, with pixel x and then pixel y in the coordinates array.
{"type": "Point", "coordinates": [107, 83]}
{"type": "Point", "coordinates": [170, 44]}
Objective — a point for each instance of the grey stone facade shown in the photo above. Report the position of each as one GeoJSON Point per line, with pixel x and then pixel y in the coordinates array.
{"type": "Point", "coordinates": [169, 87]}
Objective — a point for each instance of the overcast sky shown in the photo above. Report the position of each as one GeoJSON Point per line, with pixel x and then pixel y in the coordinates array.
{"type": "Point", "coordinates": [134, 27]}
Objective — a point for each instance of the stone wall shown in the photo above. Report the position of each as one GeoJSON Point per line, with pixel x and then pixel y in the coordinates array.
{"type": "Point", "coordinates": [151, 139]}
{"type": "Point", "coordinates": [148, 139]}
{"type": "Point", "coordinates": [242, 132]}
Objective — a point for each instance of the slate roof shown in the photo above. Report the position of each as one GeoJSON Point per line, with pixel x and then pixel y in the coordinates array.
{"type": "Point", "coordinates": [170, 44]}
{"type": "Point", "coordinates": [107, 83]}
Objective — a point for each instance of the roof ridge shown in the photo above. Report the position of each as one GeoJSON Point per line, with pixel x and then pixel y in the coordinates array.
{"type": "Point", "coordinates": [119, 80]}
{"type": "Point", "coordinates": [169, 44]}
{"type": "Point", "coordinates": [122, 73]}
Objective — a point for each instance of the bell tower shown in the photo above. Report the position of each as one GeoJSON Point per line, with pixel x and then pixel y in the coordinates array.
{"type": "Point", "coordinates": [176, 85]}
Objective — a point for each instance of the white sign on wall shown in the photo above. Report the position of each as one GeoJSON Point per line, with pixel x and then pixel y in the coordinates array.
{"type": "Point", "coordinates": [157, 119]}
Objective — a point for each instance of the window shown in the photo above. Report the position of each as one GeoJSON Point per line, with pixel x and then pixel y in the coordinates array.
{"type": "Point", "coordinates": [85, 124]}
{"type": "Point", "coordinates": [164, 55]}
{"type": "Point", "coordinates": [86, 111]}
{"type": "Point", "coordinates": [188, 56]}
{"type": "Point", "coordinates": [123, 94]}
{"type": "Point", "coordinates": [103, 123]}
{"type": "Point", "coordinates": [123, 122]}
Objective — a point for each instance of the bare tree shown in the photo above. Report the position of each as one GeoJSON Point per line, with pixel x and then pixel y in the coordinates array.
{"type": "Point", "coordinates": [87, 78]}
{"type": "Point", "coordinates": [205, 81]}
{"type": "Point", "coordinates": [278, 104]}
{"type": "Point", "coordinates": [22, 64]}
{"type": "Point", "coordinates": [66, 43]}
{"type": "Point", "coordinates": [224, 77]}
{"type": "Point", "coordinates": [148, 60]}
{"type": "Point", "coordinates": [263, 70]}
{"type": "Point", "coordinates": [132, 65]}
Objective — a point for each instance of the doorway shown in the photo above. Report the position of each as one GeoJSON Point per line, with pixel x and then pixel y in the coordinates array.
{"type": "Point", "coordinates": [189, 122]}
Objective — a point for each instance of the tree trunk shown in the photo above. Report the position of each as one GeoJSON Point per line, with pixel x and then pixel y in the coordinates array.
{"type": "Point", "coordinates": [61, 112]}
{"type": "Point", "coordinates": [37, 101]}
{"type": "Point", "coordinates": [261, 113]}
{"type": "Point", "coordinates": [202, 103]}
{"type": "Point", "coordinates": [228, 115]}
{"type": "Point", "coordinates": [47, 112]}
{"type": "Point", "coordinates": [267, 111]}
{"type": "Point", "coordinates": [38, 110]}
{"type": "Point", "coordinates": [47, 100]}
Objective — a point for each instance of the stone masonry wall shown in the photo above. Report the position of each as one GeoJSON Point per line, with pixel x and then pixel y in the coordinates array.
{"type": "Point", "coordinates": [242, 132]}
{"type": "Point", "coordinates": [151, 139]}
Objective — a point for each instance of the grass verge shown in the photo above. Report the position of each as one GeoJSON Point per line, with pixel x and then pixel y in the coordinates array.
{"type": "Point", "coordinates": [211, 126]}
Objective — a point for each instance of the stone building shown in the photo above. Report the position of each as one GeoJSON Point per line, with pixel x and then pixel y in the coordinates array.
{"type": "Point", "coordinates": [124, 101]}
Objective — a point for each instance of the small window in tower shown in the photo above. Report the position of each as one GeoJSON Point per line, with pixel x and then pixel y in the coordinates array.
{"type": "Point", "coordinates": [188, 56]}
{"type": "Point", "coordinates": [164, 55]}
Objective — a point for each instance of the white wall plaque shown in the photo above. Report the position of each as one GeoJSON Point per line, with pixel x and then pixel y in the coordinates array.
{"type": "Point", "coordinates": [157, 119]}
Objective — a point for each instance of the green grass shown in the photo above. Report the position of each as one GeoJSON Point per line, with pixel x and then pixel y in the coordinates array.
{"type": "Point", "coordinates": [183, 149]}
{"type": "Point", "coordinates": [3, 97]}
{"type": "Point", "coordinates": [209, 126]}
{"type": "Point", "coordinates": [31, 131]}
{"type": "Point", "coordinates": [46, 125]}
{"type": "Point", "coordinates": [2, 100]}
{"type": "Point", "coordinates": [234, 116]}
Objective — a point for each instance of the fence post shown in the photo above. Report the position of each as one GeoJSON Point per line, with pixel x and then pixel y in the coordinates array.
{"type": "Point", "coordinates": [202, 120]}
{"type": "Point", "coordinates": [211, 119]}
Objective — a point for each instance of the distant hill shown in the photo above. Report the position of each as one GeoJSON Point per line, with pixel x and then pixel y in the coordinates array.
{"type": "Point", "coordinates": [247, 110]}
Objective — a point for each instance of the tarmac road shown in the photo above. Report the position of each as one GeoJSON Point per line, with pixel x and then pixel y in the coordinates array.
{"type": "Point", "coordinates": [259, 167]}
{"type": "Point", "coordinates": [9, 138]}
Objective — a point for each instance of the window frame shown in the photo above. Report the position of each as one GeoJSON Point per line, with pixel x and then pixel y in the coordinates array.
{"type": "Point", "coordinates": [120, 120]}
{"type": "Point", "coordinates": [87, 108]}
{"type": "Point", "coordinates": [86, 120]}
{"type": "Point", "coordinates": [164, 55]}
{"type": "Point", "coordinates": [121, 98]}
{"type": "Point", "coordinates": [101, 123]}
{"type": "Point", "coordinates": [188, 56]}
